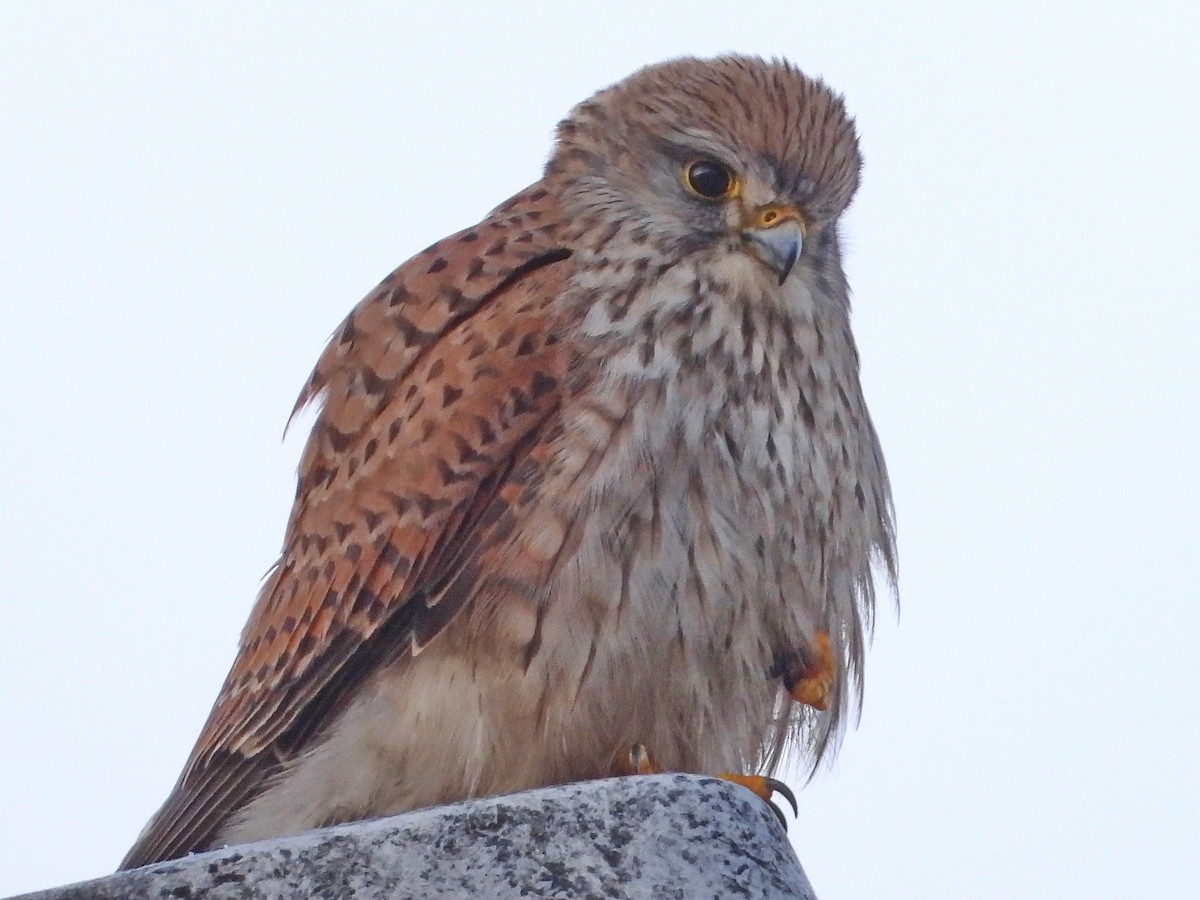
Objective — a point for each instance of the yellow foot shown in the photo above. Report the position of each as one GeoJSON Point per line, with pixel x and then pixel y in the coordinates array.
{"type": "Point", "coordinates": [765, 789]}
{"type": "Point", "coordinates": [636, 761]}
{"type": "Point", "coordinates": [812, 684]}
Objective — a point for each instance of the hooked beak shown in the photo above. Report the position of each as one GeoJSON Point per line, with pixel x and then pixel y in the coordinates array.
{"type": "Point", "coordinates": [775, 235]}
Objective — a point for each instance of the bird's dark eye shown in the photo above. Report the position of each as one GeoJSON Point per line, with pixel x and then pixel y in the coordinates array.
{"type": "Point", "coordinates": [710, 180]}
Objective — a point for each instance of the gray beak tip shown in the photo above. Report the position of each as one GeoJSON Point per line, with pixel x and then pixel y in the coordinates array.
{"type": "Point", "coordinates": [777, 247]}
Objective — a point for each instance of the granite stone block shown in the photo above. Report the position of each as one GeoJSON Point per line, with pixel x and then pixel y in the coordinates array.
{"type": "Point", "coordinates": [662, 836]}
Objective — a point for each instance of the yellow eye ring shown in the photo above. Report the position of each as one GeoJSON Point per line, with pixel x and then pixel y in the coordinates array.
{"type": "Point", "coordinates": [709, 180]}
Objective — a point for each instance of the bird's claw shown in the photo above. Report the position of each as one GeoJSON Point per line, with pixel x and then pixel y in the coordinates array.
{"type": "Point", "coordinates": [812, 685]}
{"type": "Point", "coordinates": [636, 761]}
{"type": "Point", "coordinates": [766, 788]}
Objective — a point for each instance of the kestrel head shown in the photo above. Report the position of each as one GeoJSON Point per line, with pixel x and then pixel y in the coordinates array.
{"type": "Point", "coordinates": [698, 152]}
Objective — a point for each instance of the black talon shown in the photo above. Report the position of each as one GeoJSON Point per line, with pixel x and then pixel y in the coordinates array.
{"type": "Point", "coordinates": [779, 815]}
{"type": "Point", "coordinates": [639, 757]}
{"type": "Point", "coordinates": [779, 787]}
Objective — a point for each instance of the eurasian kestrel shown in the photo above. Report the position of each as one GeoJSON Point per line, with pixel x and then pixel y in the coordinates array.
{"type": "Point", "coordinates": [593, 474]}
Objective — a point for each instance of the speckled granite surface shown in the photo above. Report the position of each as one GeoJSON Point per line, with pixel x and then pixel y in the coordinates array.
{"type": "Point", "coordinates": [662, 836]}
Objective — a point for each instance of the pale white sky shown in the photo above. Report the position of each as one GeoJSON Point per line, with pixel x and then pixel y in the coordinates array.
{"type": "Point", "coordinates": [191, 198]}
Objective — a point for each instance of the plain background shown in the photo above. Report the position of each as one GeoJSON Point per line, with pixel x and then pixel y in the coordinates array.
{"type": "Point", "coordinates": [193, 196]}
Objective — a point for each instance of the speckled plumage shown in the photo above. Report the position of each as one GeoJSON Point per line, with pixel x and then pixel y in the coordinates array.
{"type": "Point", "coordinates": [584, 475]}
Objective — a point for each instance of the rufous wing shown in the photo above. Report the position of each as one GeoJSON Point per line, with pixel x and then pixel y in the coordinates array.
{"type": "Point", "coordinates": [434, 390]}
